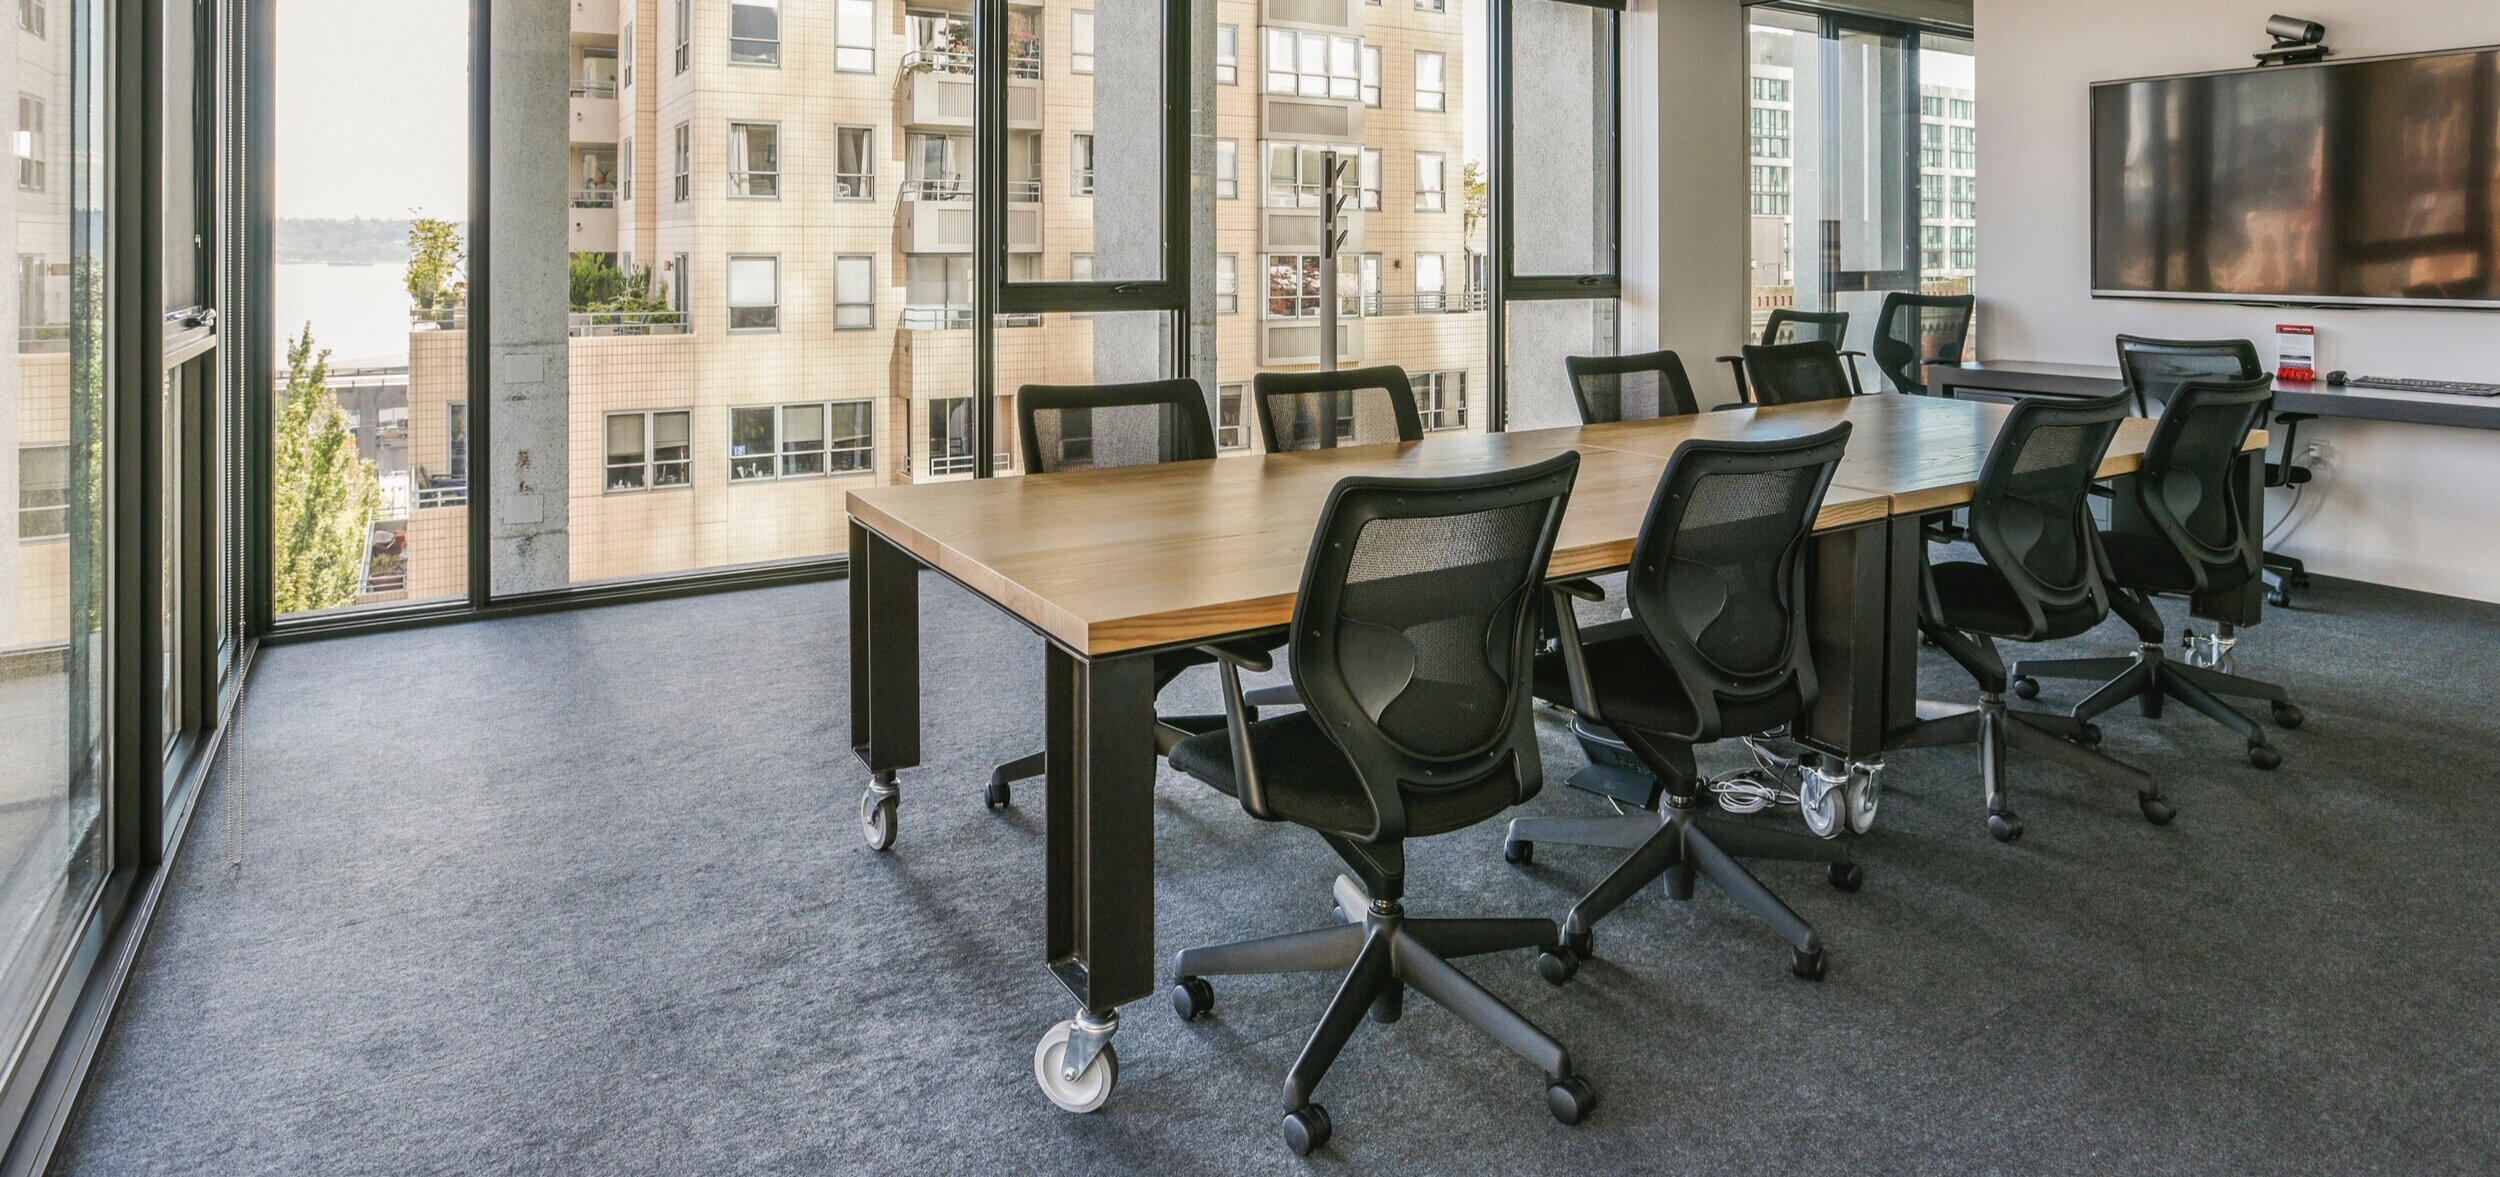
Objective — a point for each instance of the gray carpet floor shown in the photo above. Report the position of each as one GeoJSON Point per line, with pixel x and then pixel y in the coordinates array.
{"type": "Point", "coordinates": [583, 893]}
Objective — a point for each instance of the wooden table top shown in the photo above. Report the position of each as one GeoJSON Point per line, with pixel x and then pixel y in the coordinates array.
{"type": "Point", "coordinates": [1111, 560]}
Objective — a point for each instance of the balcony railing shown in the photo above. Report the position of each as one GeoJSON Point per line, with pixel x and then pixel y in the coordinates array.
{"type": "Point", "coordinates": [1027, 66]}
{"type": "Point", "coordinates": [936, 318]}
{"type": "Point", "coordinates": [42, 337]}
{"type": "Point", "coordinates": [438, 490]}
{"type": "Point", "coordinates": [588, 88]}
{"type": "Point", "coordinates": [951, 464]}
{"type": "Point", "coordinates": [957, 189]}
{"type": "Point", "coordinates": [439, 318]}
{"type": "Point", "coordinates": [1376, 306]}
{"type": "Point", "coordinates": [594, 198]}
{"type": "Point", "coordinates": [601, 324]}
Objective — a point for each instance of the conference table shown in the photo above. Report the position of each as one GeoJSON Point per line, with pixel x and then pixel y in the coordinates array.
{"type": "Point", "coordinates": [1112, 566]}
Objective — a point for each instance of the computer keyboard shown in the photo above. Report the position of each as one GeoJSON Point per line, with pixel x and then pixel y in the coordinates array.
{"type": "Point", "coordinates": [2401, 384]}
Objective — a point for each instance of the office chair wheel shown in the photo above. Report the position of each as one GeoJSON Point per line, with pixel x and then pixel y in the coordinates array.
{"type": "Point", "coordinates": [2156, 810]}
{"type": "Point", "coordinates": [1306, 1129]}
{"type": "Point", "coordinates": [1390, 1005]}
{"type": "Point", "coordinates": [1571, 1100]}
{"type": "Point", "coordinates": [998, 795]}
{"type": "Point", "coordinates": [1085, 1092]}
{"type": "Point", "coordinates": [1847, 876]}
{"type": "Point", "coordinates": [1519, 853]}
{"type": "Point", "coordinates": [2026, 687]}
{"type": "Point", "coordinates": [1192, 998]}
{"type": "Point", "coordinates": [1807, 964]}
{"type": "Point", "coordinates": [1557, 965]}
{"type": "Point", "coordinates": [878, 821]}
{"type": "Point", "coordinates": [2287, 716]}
{"type": "Point", "coordinates": [2089, 735]}
{"type": "Point", "coordinates": [2004, 827]}
{"type": "Point", "coordinates": [2264, 757]}
{"type": "Point", "coordinates": [2278, 598]}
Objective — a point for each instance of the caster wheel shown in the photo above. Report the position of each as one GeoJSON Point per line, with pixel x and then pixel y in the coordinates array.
{"type": "Point", "coordinates": [1519, 853]}
{"type": "Point", "coordinates": [2089, 735]}
{"type": "Point", "coordinates": [2279, 599]}
{"type": "Point", "coordinates": [1306, 1129]}
{"type": "Point", "coordinates": [1085, 1092]}
{"type": "Point", "coordinates": [2004, 827]}
{"type": "Point", "coordinates": [2264, 757]}
{"type": "Point", "coordinates": [877, 820]}
{"type": "Point", "coordinates": [2027, 687]}
{"type": "Point", "coordinates": [1390, 1005]}
{"type": "Point", "coordinates": [1807, 965]}
{"type": "Point", "coordinates": [2287, 716]}
{"type": "Point", "coordinates": [1847, 876]}
{"type": "Point", "coordinates": [1192, 997]}
{"type": "Point", "coordinates": [1580, 943]}
{"type": "Point", "coordinates": [2156, 810]}
{"type": "Point", "coordinates": [998, 796]}
{"type": "Point", "coordinates": [1557, 965]}
{"type": "Point", "coordinates": [1571, 1100]}
{"type": "Point", "coordinates": [1819, 802]}
{"type": "Point", "coordinates": [1679, 884]}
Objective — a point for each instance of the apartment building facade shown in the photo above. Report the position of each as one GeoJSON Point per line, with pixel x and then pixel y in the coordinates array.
{"type": "Point", "coordinates": [38, 459]}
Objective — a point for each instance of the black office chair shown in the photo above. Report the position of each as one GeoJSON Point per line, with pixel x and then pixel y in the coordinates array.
{"type": "Point", "coordinates": [1792, 373]}
{"type": "Point", "coordinates": [2040, 577]}
{"type": "Point", "coordinates": [1410, 647]}
{"type": "Point", "coordinates": [1630, 388]}
{"type": "Point", "coordinates": [1717, 588]}
{"type": "Point", "coordinates": [2187, 534]}
{"type": "Point", "coordinates": [2155, 368]}
{"type": "Point", "coordinates": [1785, 327]}
{"type": "Point", "coordinates": [1914, 331]}
{"type": "Point", "coordinates": [1099, 426]}
{"type": "Point", "coordinates": [1323, 410]}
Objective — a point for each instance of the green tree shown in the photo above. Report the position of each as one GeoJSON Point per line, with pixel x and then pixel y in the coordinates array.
{"type": "Point", "coordinates": [1472, 199]}
{"type": "Point", "coordinates": [434, 257]}
{"type": "Point", "coordinates": [614, 297]}
{"type": "Point", "coordinates": [322, 493]}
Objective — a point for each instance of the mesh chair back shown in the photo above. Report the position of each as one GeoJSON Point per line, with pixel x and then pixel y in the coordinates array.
{"type": "Point", "coordinates": [1099, 426]}
{"type": "Point", "coordinates": [1413, 634]}
{"type": "Point", "coordinates": [1791, 373]}
{"type": "Point", "coordinates": [1718, 576]}
{"type": "Point", "coordinates": [2155, 368]}
{"type": "Point", "coordinates": [1786, 326]}
{"type": "Point", "coordinates": [1630, 388]}
{"type": "Point", "coordinates": [2030, 517]}
{"type": "Point", "coordinates": [1915, 330]}
{"type": "Point", "coordinates": [1323, 410]}
{"type": "Point", "coordinates": [2186, 487]}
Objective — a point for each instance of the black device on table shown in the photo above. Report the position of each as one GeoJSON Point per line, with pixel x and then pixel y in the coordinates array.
{"type": "Point", "coordinates": [2401, 384]}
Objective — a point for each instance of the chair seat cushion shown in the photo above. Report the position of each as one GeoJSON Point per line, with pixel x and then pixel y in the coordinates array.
{"type": "Point", "coordinates": [2150, 562]}
{"type": "Point", "coordinates": [1635, 688]}
{"type": "Point", "coordinates": [1309, 782]}
{"type": "Point", "coordinates": [1975, 599]}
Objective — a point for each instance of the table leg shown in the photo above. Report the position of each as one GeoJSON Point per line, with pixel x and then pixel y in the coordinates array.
{"type": "Point", "coordinates": [1099, 852]}
{"type": "Point", "coordinates": [885, 675]}
{"type": "Point", "coordinates": [1846, 624]}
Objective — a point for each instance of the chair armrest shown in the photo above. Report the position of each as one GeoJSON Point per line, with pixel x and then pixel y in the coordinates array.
{"type": "Point", "coordinates": [1242, 653]}
{"type": "Point", "coordinates": [1578, 587]}
{"type": "Point", "coordinates": [1575, 658]}
{"type": "Point", "coordinates": [1736, 364]}
{"type": "Point", "coordinates": [1849, 360]}
{"type": "Point", "coordinates": [1252, 793]}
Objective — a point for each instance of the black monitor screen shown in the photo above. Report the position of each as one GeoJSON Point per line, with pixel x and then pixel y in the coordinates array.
{"type": "Point", "coordinates": [2357, 181]}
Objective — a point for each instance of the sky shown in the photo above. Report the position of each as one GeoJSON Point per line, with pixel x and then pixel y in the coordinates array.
{"type": "Point", "coordinates": [372, 108]}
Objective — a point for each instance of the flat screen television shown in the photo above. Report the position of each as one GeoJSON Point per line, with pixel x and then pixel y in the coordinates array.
{"type": "Point", "coordinates": [2366, 182]}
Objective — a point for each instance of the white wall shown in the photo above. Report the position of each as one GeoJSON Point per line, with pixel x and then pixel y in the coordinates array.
{"type": "Point", "coordinates": [1685, 185]}
{"type": "Point", "coordinates": [2406, 505]}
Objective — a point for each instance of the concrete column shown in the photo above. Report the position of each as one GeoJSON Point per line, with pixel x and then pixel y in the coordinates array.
{"type": "Point", "coordinates": [1685, 184]}
{"type": "Point", "coordinates": [528, 470]}
{"type": "Point", "coordinates": [1129, 177]}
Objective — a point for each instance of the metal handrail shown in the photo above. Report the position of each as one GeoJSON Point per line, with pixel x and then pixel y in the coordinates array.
{"type": "Point", "coordinates": [601, 324]}
{"type": "Point", "coordinates": [942, 317]}
{"type": "Point", "coordinates": [948, 190]}
{"type": "Point", "coordinates": [588, 89]}
{"type": "Point", "coordinates": [594, 198]}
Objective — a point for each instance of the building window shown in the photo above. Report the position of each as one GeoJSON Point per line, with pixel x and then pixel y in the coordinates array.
{"type": "Point", "coordinates": [685, 34]}
{"type": "Point", "coordinates": [855, 36]}
{"type": "Point", "coordinates": [1961, 108]}
{"type": "Point", "coordinates": [625, 169]}
{"type": "Point", "coordinates": [950, 435]}
{"type": "Point", "coordinates": [1227, 54]}
{"type": "Point", "coordinates": [1295, 175]}
{"type": "Point", "coordinates": [755, 160]}
{"type": "Point", "coordinates": [1965, 149]}
{"type": "Point", "coordinates": [1931, 145]}
{"type": "Point", "coordinates": [1227, 169]}
{"type": "Point", "coordinates": [1227, 283]}
{"type": "Point", "coordinates": [1770, 190]}
{"type": "Point", "coordinates": [854, 292]}
{"type": "Point", "coordinates": [1081, 165]}
{"type": "Point", "coordinates": [1431, 92]}
{"type": "Point", "coordinates": [1431, 6]}
{"type": "Point", "coordinates": [650, 451]}
{"type": "Point", "coordinates": [685, 163]}
{"type": "Point", "coordinates": [1431, 195]}
{"type": "Point", "coordinates": [934, 167]}
{"type": "Point", "coordinates": [1371, 75]}
{"type": "Point", "coordinates": [1931, 106]}
{"type": "Point", "coordinates": [1314, 65]}
{"type": "Point", "coordinates": [937, 291]}
{"type": "Point", "coordinates": [30, 146]}
{"type": "Point", "coordinates": [1367, 179]}
{"type": "Point", "coordinates": [456, 441]}
{"type": "Point", "coordinates": [42, 492]}
{"type": "Point", "coordinates": [1770, 132]}
{"type": "Point", "coordinates": [1770, 89]}
{"type": "Point", "coordinates": [1930, 196]}
{"type": "Point", "coordinates": [1231, 432]}
{"type": "Point", "coordinates": [1367, 284]}
{"type": "Point", "coordinates": [625, 56]}
{"type": "Point", "coordinates": [1965, 247]}
{"type": "Point", "coordinates": [1293, 286]}
{"type": "Point", "coordinates": [854, 163]}
{"type": "Point", "coordinates": [1432, 283]}
{"type": "Point", "coordinates": [1442, 398]}
{"type": "Point", "coordinates": [755, 32]}
{"type": "Point", "coordinates": [768, 442]}
{"type": "Point", "coordinates": [755, 292]}
{"type": "Point", "coordinates": [1965, 198]}
{"type": "Point", "coordinates": [1931, 247]}
{"type": "Point", "coordinates": [1081, 41]}
{"type": "Point", "coordinates": [30, 16]}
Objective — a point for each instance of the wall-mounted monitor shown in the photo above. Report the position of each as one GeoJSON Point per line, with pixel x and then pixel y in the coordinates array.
{"type": "Point", "coordinates": [2365, 182]}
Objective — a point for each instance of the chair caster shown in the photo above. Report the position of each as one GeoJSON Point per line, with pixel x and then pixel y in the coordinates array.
{"type": "Point", "coordinates": [997, 796]}
{"type": "Point", "coordinates": [1571, 1100]}
{"type": "Point", "coordinates": [1082, 1093]}
{"type": "Point", "coordinates": [878, 822]}
{"type": "Point", "coordinates": [1390, 1005]}
{"type": "Point", "coordinates": [2264, 757]}
{"type": "Point", "coordinates": [2279, 599]}
{"type": "Point", "coordinates": [2004, 827]}
{"type": "Point", "coordinates": [1192, 998]}
{"type": "Point", "coordinates": [1306, 1129]}
{"type": "Point", "coordinates": [1581, 944]}
{"type": "Point", "coordinates": [2287, 716]}
{"type": "Point", "coordinates": [2089, 735]}
{"type": "Point", "coordinates": [2156, 810]}
{"type": "Point", "coordinates": [1847, 876]}
{"type": "Point", "coordinates": [1519, 853]}
{"type": "Point", "coordinates": [1679, 884]}
{"type": "Point", "coordinates": [1557, 965]}
{"type": "Point", "coordinates": [2026, 687]}
{"type": "Point", "coordinates": [1807, 964]}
